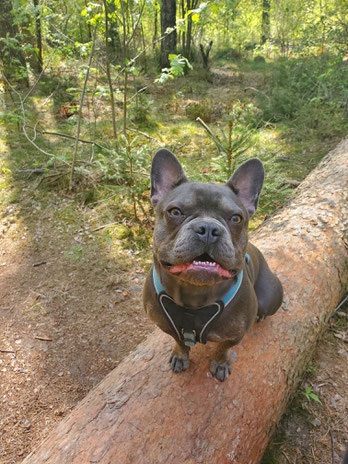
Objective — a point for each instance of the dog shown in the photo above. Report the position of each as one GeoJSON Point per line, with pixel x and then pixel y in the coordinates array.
{"type": "Point", "coordinates": [207, 283]}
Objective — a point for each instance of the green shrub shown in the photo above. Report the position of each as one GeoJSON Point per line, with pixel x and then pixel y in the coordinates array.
{"type": "Point", "coordinates": [300, 82]}
{"type": "Point", "coordinates": [141, 110]}
{"type": "Point", "coordinates": [228, 54]}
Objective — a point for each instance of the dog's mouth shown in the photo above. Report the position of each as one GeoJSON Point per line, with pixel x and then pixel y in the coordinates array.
{"type": "Point", "coordinates": [200, 263]}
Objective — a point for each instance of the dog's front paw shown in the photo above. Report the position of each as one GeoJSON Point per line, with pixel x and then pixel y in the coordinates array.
{"type": "Point", "coordinates": [220, 370]}
{"type": "Point", "coordinates": [179, 363]}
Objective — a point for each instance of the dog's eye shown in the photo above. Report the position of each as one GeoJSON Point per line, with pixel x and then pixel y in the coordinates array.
{"type": "Point", "coordinates": [174, 212]}
{"type": "Point", "coordinates": [236, 219]}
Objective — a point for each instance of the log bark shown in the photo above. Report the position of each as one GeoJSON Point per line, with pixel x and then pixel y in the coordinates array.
{"type": "Point", "coordinates": [143, 413]}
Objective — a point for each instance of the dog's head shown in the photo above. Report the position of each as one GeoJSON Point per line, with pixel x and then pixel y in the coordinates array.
{"type": "Point", "coordinates": [201, 230]}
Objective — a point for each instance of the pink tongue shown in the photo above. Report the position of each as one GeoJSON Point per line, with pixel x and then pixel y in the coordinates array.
{"type": "Point", "coordinates": [179, 268]}
{"type": "Point", "coordinates": [198, 267]}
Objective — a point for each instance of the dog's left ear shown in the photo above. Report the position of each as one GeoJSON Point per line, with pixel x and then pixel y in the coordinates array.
{"type": "Point", "coordinates": [166, 173]}
{"type": "Point", "coordinates": [247, 183]}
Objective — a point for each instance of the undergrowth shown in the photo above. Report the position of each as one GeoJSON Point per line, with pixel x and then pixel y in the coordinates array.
{"type": "Point", "coordinates": [294, 113]}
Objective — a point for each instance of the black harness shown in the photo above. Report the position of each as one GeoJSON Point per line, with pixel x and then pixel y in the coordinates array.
{"type": "Point", "coordinates": [193, 325]}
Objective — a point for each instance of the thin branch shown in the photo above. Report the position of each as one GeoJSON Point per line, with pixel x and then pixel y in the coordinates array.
{"type": "Point", "coordinates": [205, 127]}
{"type": "Point", "coordinates": [104, 226]}
{"type": "Point", "coordinates": [341, 303]}
{"type": "Point", "coordinates": [332, 448]}
{"type": "Point", "coordinates": [256, 90]}
{"type": "Point", "coordinates": [136, 24]}
{"type": "Point", "coordinates": [34, 129]}
{"type": "Point", "coordinates": [51, 155]}
{"type": "Point", "coordinates": [137, 93]}
{"type": "Point", "coordinates": [80, 112]}
{"type": "Point", "coordinates": [33, 87]}
{"type": "Point", "coordinates": [144, 134]}
{"type": "Point", "coordinates": [59, 31]}
{"type": "Point", "coordinates": [73, 137]}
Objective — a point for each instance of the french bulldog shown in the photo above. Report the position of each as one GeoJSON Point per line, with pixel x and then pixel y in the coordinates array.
{"type": "Point", "coordinates": [207, 282]}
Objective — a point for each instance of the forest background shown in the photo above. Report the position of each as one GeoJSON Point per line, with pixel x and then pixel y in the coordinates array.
{"type": "Point", "coordinates": [90, 91]}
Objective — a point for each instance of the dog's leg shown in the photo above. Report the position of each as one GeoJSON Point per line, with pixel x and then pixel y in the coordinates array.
{"type": "Point", "coordinates": [179, 359]}
{"type": "Point", "coordinates": [268, 290]}
{"type": "Point", "coordinates": [220, 366]}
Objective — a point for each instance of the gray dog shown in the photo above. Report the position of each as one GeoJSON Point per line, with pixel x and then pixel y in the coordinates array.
{"type": "Point", "coordinates": [207, 282]}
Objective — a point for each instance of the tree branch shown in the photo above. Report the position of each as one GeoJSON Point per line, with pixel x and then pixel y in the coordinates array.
{"type": "Point", "coordinates": [80, 112]}
{"type": "Point", "coordinates": [51, 155]}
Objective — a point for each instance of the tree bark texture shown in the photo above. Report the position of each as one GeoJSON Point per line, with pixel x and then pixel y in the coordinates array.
{"type": "Point", "coordinates": [38, 36]}
{"type": "Point", "coordinates": [265, 25]}
{"type": "Point", "coordinates": [144, 413]}
{"type": "Point", "coordinates": [108, 72]}
{"type": "Point", "coordinates": [11, 55]}
{"type": "Point", "coordinates": [168, 19]}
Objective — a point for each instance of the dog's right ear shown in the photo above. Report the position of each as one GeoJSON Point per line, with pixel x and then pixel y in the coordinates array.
{"type": "Point", "coordinates": [166, 173]}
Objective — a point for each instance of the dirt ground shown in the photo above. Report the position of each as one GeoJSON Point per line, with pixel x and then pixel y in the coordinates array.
{"type": "Point", "coordinates": [64, 323]}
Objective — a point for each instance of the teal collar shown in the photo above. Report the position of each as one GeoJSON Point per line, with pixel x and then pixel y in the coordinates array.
{"type": "Point", "coordinates": [226, 299]}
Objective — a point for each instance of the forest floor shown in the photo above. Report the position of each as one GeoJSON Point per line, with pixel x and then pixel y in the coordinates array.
{"type": "Point", "coordinates": [70, 311]}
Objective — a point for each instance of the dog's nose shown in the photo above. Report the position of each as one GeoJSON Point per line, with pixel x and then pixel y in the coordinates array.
{"type": "Point", "coordinates": [207, 232]}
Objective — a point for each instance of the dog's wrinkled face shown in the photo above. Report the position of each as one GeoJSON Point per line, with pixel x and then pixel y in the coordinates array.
{"type": "Point", "coordinates": [201, 230]}
{"type": "Point", "coordinates": [201, 233]}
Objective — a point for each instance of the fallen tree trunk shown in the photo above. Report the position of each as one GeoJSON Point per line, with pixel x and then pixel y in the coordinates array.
{"type": "Point", "coordinates": [143, 413]}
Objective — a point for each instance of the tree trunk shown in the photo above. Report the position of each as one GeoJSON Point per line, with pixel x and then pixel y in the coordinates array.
{"type": "Point", "coordinates": [108, 72]}
{"type": "Point", "coordinates": [190, 5]}
{"type": "Point", "coordinates": [38, 36]}
{"type": "Point", "coordinates": [168, 19]}
{"type": "Point", "coordinates": [155, 28]}
{"type": "Point", "coordinates": [265, 25]}
{"type": "Point", "coordinates": [144, 413]}
{"type": "Point", "coordinates": [205, 54]}
{"type": "Point", "coordinates": [187, 49]}
{"type": "Point", "coordinates": [113, 34]}
{"type": "Point", "coordinates": [13, 61]}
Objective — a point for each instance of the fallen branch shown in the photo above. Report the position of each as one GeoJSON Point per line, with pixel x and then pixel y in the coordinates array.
{"type": "Point", "coordinates": [40, 263]}
{"type": "Point", "coordinates": [72, 137]}
{"type": "Point", "coordinates": [51, 155]}
{"type": "Point", "coordinates": [44, 339]}
{"type": "Point", "coordinates": [104, 226]}
{"type": "Point", "coordinates": [144, 134]}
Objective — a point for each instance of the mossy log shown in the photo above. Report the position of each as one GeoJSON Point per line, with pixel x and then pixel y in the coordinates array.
{"type": "Point", "coordinates": [144, 413]}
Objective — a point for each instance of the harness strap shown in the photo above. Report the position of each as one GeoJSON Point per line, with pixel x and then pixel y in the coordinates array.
{"type": "Point", "coordinates": [192, 325]}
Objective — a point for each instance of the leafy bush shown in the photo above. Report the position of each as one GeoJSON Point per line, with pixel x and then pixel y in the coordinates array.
{"type": "Point", "coordinates": [228, 54]}
{"type": "Point", "coordinates": [300, 82]}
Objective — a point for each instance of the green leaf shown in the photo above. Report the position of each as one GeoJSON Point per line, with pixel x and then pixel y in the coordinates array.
{"type": "Point", "coordinates": [315, 397]}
